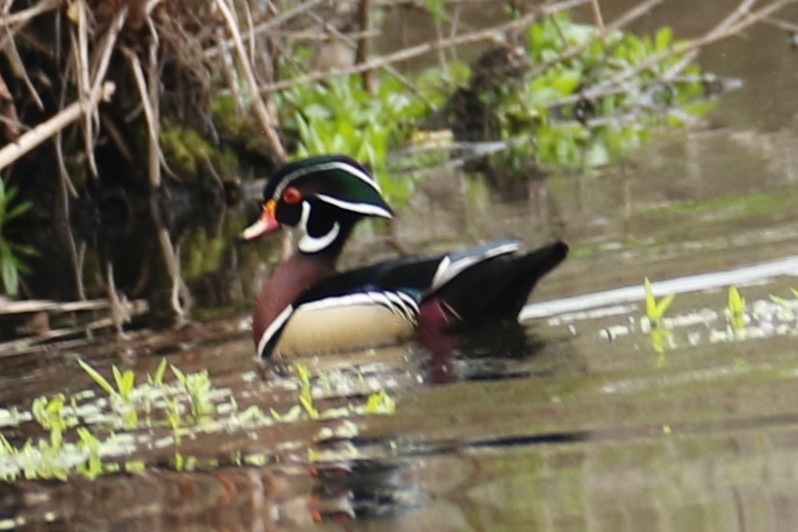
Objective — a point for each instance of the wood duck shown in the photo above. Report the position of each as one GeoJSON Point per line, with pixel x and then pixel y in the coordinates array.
{"type": "Point", "coordinates": [306, 307]}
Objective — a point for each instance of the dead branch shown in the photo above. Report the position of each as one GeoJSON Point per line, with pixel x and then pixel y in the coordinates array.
{"type": "Point", "coordinates": [268, 122]}
{"type": "Point", "coordinates": [412, 52]}
{"type": "Point", "coordinates": [11, 152]}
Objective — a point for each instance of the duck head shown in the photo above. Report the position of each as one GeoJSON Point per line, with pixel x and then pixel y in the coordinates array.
{"type": "Point", "coordinates": [323, 197]}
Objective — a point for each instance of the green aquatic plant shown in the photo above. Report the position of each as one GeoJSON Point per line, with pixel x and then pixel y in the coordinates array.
{"type": "Point", "coordinates": [736, 309]}
{"type": "Point", "coordinates": [83, 434]}
{"type": "Point", "coordinates": [121, 397]}
{"type": "Point", "coordinates": [340, 116]}
{"type": "Point", "coordinates": [782, 301]}
{"type": "Point", "coordinates": [11, 253]}
{"type": "Point", "coordinates": [572, 110]}
{"type": "Point", "coordinates": [90, 445]}
{"type": "Point", "coordinates": [655, 310]}
{"type": "Point", "coordinates": [561, 106]}
{"type": "Point", "coordinates": [306, 391]}
{"type": "Point", "coordinates": [380, 403]}
{"type": "Point", "coordinates": [197, 387]}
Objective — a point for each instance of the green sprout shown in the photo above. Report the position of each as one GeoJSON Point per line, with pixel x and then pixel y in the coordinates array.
{"type": "Point", "coordinates": [655, 310]}
{"type": "Point", "coordinates": [122, 396]}
{"type": "Point", "coordinates": [380, 403]}
{"type": "Point", "coordinates": [306, 391]}
{"type": "Point", "coordinates": [90, 444]}
{"type": "Point", "coordinates": [160, 372]}
{"type": "Point", "coordinates": [736, 309]}
{"type": "Point", "coordinates": [75, 446]}
{"type": "Point", "coordinates": [197, 387]}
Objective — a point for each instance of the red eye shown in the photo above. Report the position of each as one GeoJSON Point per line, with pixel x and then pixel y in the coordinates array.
{"type": "Point", "coordinates": [292, 195]}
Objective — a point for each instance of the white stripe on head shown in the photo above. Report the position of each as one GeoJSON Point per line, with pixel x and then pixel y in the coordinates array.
{"type": "Point", "coordinates": [368, 209]}
{"type": "Point", "coordinates": [331, 165]}
{"type": "Point", "coordinates": [273, 328]}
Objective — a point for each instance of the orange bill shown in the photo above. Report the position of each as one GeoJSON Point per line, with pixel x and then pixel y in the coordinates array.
{"type": "Point", "coordinates": [267, 223]}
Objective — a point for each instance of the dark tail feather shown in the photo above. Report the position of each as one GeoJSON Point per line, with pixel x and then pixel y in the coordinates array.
{"type": "Point", "coordinates": [497, 289]}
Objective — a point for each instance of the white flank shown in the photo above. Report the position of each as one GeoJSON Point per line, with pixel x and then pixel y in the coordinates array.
{"type": "Point", "coordinates": [399, 303]}
{"type": "Point", "coordinates": [273, 327]}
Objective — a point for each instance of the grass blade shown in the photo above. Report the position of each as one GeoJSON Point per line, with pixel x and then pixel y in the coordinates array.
{"type": "Point", "coordinates": [99, 379]}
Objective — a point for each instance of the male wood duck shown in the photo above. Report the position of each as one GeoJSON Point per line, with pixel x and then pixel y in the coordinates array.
{"type": "Point", "coordinates": [306, 307]}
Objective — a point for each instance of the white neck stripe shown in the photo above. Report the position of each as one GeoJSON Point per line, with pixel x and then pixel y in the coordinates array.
{"type": "Point", "coordinates": [273, 328]}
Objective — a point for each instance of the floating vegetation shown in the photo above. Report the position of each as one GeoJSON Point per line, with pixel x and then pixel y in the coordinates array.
{"type": "Point", "coordinates": [760, 318]}
{"type": "Point", "coordinates": [736, 309]}
{"type": "Point", "coordinates": [655, 310]}
{"type": "Point", "coordinates": [92, 436]}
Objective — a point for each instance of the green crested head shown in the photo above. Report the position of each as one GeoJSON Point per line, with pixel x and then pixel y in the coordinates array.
{"type": "Point", "coordinates": [322, 196]}
{"type": "Point", "coordinates": [336, 180]}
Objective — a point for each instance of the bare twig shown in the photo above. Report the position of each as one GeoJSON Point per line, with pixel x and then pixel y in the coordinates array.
{"type": "Point", "coordinates": [349, 40]}
{"type": "Point", "coordinates": [421, 49]}
{"type": "Point", "coordinates": [265, 27]}
{"type": "Point", "coordinates": [268, 122]}
{"type": "Point", "coordinates": [34, 137]}
{"type": "Point", "coordinates": [597, 15]}
{"type": "Point", "coordinates": [22, 17]}
{"type": "Point", "coordinates": [622, 21]}
{"type": "Point", "coordinates": [119, 312]}
{"type": "Point", "coordinates": [362, 53]}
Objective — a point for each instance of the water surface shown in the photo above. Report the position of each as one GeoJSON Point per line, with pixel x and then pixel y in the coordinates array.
{"type": "Point", "coordinates": [581, 418]}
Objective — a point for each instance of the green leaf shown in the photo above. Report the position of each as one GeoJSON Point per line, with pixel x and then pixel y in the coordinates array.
{"type": "Point", "coordinates": [307, 404]}
{"type": "Point", "coordinates": [303, 373]}
{"type": "Point", "coordinates": [380, 403]}
{"type": "Point", "coordinates": [117, 377]}
{"type": "Point", "coordinates": [662, 306]}
{"type": "Point", "coordinates": [128, 383]}
{"type": "Point", "coordinates": [160, 372]}
{"type": "Point", "coordinates": [179, 374]}
{"type": "Point", "coordinates": [10, 274]}
{"type": "Point", "coordinates": [780, 300]}
{"type": "Point", "coordinates": [736, 301]}
{"type": "Point", "coordinates": [99, 379]}
{"type": "Point", "coordinates": [663, 39]}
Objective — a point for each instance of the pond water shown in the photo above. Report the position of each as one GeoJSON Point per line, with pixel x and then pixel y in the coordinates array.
{"type": "Point", "coordinates": [584, 417]}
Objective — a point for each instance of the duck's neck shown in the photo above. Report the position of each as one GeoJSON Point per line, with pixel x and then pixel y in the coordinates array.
{"type": "Point", "coordinates": [288, 280]}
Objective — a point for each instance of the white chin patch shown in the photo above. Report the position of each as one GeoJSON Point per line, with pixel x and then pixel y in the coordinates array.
{"type": "Point", "coordinates": [314, 244]}
{"type": "Point", "coordinates": [310, 244]}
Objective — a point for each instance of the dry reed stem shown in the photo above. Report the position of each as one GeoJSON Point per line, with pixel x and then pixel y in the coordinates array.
{"type": "Point", "coordinates": [265, 27]}
{"type": "Point", "coordinates": [349, 40]}
{"type": "Point", "coordinates": [149, 105]}
{"type": "Point", "coordinates": [268, 122]}
{"type": "Point", "coordinates": [597, 14]}
{"type": "Point", "coordinates": [421, 49]}
{"type": "Point", "coordinates": [21, 18]}
{"type": "Point", "coordinates": [11, 152]}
